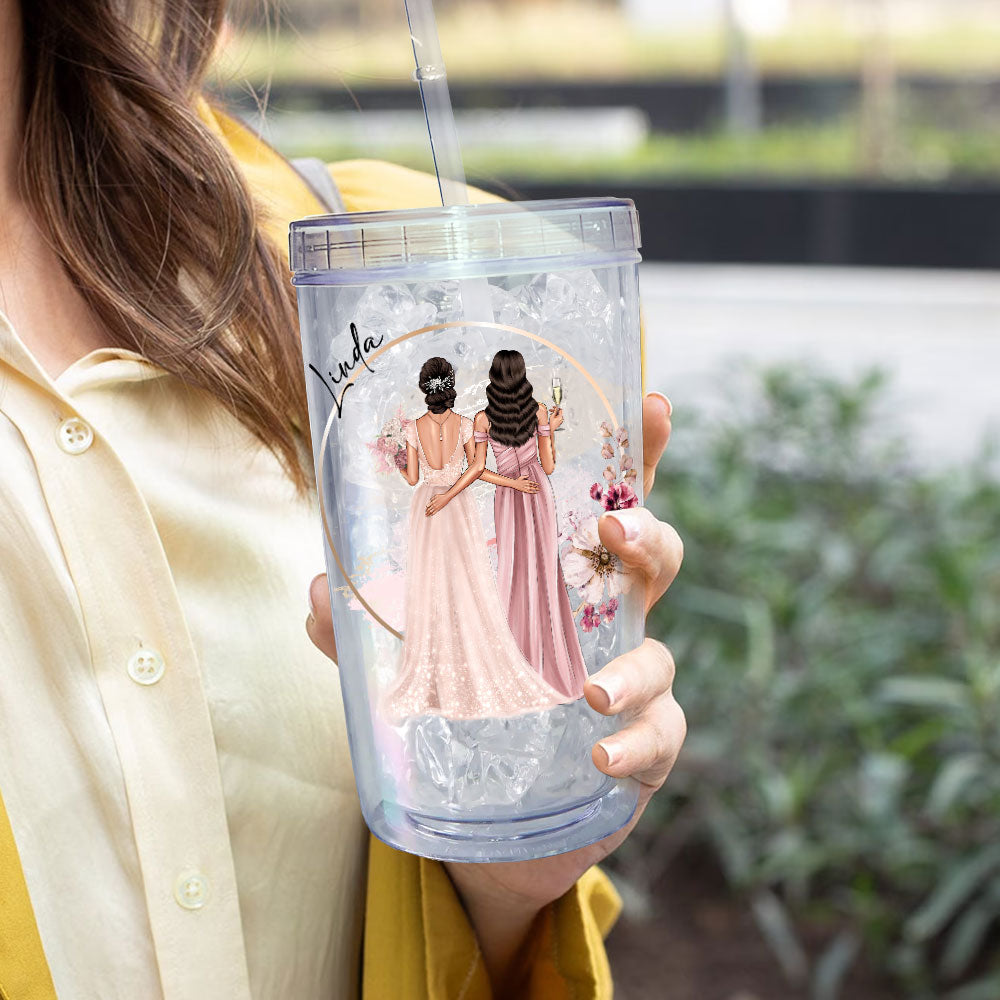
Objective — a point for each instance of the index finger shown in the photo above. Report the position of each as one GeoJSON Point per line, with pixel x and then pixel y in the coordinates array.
{"type": "Point", "coordinates": [645, 546]}
{"type": "Point", "coordinates": [656, 411]}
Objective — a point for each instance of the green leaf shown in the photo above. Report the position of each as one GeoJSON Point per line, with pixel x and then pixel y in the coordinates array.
{"type": "Point", "coordinates": [959, 883]}
{"type": "Point", "coordinates": [986, 988]}
{"type": "Point", "coordinates": [967, 936]}
{"type": "Point", "coordinates": [734, 849]}
{"type": "Point", "coordinates": [881, 780]}
{"type": "Point", "coordinates": [927, 692]}
{"type": "Point", "coordinates": [834, 964]}
{"type": "Point", "coordinates": [953, 777]}
{"type": "Point", "coordinates": [776, 925]}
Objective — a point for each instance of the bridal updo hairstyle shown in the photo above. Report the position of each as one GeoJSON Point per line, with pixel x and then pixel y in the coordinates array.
{"type": "Point", "coordinates": [438, 398]}
{"type": "Point", "coordinates": [512, 410]}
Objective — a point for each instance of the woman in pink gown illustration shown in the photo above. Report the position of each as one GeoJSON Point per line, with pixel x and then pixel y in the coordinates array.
{"type": "Point", "coordinates": [459, 658]}
{"type": "Point", "coordinates": [529, 577]}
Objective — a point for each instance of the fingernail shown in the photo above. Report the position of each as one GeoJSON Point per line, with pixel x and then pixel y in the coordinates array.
{"type": "Point", "coordinates": [666, 402]}
{"type": "Point", "coordinates": [613, 750]}
{"type": "Point", "coordinates": [629, 520]}
{"type": "Point", "coordinates": [611, 686]}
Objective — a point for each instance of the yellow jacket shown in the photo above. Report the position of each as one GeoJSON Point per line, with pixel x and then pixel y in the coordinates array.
{"type": "Point", "coordinates": [418, 944]}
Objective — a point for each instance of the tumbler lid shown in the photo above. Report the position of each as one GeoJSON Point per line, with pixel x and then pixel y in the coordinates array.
{"type": "Point", "coordinates": [439, 240]}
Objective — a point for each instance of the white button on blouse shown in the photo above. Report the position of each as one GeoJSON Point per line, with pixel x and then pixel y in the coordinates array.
{"type": "Point", "coordinates": [191, 890]}
{"type": "Point", "coordinates": [145, 666]}
{"type": "Point", "coordinates": [74, 436]}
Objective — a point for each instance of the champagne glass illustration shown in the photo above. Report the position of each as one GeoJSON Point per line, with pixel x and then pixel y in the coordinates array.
{"type": "Point", "coordinates": [557, 393]}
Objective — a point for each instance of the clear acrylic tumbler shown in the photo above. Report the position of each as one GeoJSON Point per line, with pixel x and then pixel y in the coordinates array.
{"type": "Point", "coordinates": [471, 595]}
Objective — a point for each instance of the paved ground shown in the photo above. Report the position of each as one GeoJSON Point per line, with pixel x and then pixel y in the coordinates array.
{"type": "Point", "coordinates": [936, 332]}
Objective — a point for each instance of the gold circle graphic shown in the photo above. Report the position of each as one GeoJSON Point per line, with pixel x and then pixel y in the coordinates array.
{"type": "Point", "coordinates": [324, 442]}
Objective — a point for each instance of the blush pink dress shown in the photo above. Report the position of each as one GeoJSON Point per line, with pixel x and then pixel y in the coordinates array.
{"type": "Point", "coordinates": [529, 576]}
{"type": "Point", "coordinates": [459, 658]}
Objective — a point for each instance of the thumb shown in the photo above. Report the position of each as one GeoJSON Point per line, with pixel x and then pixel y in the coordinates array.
{"type": "Point", "coordinates": [319, 624]}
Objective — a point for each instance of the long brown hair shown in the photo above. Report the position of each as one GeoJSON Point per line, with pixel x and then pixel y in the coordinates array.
{"type": "Point", "coordinates": [511, 407]}
{"type": "Point", "coordinates": [148, 210]}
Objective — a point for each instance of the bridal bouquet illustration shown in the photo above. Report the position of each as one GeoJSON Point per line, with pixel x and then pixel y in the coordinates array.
{"type": "Point", "coordinates": [389, 448]}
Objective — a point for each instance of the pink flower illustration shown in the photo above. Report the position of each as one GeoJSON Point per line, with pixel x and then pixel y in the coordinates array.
{"type": "Point", "coordinates": [608, 608]}
{"type": "Point", "coordinates": [622, 436]}
{"type": "Point", "coordinates": [591, 619]}
{"type": "Point", "coordinates": [607, 451]}
{"type": "Point", "coordinates": [620, 496]}
{"type": "Point", "coordinates": [627, 462]}
{"type": "Point", "coordinates": [596, 492]}
{"type": "Point", "coordinates": [609, 474]}
{"type": "Point", "coordinates": [605, 428]}
{"type": "Point", "coordinates": [631, 474]}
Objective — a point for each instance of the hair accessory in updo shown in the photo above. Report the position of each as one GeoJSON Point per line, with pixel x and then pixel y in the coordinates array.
{"type": "Point", "coordinates": [438, 383]}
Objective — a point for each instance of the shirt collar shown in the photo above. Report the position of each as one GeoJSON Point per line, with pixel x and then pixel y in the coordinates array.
{"type": "Point", "coordinates": [98, 368]}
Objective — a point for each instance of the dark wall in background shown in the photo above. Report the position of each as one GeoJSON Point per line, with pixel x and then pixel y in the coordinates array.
{"type": "Point", "coordinates": [846, 224]}
{"type": "Point", "coordinates": [951, 225]}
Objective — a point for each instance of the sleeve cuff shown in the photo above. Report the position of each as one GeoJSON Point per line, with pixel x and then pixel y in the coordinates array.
{"type": "Point", "coordinates": [571, 962]}
{"type": "Point", "coordinates": [420, 944]}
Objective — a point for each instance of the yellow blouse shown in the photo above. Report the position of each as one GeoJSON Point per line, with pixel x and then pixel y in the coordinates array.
{"type": "Point", "coordinates": [178, 815]}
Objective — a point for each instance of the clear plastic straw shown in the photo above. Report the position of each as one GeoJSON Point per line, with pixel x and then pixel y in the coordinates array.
{"type": "Point", "coordinates": [439, 115]}
{"type": "Point", "coordinates": [432, 78]}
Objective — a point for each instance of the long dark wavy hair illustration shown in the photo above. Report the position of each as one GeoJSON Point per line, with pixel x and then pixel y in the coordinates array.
{"type": "Point", "coordinates": [511, 406]}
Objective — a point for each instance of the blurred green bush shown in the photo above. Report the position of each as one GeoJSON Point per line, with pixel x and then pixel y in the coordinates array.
{"type": "Point", "coordinates": [919, 152]}
{"type": "Point", "coordinates": [837, 630]}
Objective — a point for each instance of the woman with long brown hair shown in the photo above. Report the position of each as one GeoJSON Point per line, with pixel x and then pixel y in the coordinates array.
{"type": "Point", "coordinates": [529, 574]}
{"type": "Point", "coordinates": [178, 816]}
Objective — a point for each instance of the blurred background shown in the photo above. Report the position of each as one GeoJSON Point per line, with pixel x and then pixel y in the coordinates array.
{"type": "Point", "coordinates": [819, 188]}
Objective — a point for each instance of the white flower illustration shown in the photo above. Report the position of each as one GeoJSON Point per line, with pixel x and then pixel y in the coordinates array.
{"type": "Point", "coordinates": [590, 567]}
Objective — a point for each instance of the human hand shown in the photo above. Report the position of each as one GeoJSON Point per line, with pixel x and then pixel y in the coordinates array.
{"type": "Point", "coordinates": [502, 899]}
{"type": "Point", "coordinates": [636, 687]}
{"type": "Point", "coordinates": [437, 502]}
{"type": "Point", "coordinates": [525, 485]}
{"type": "Point", "coordinates": [555, 418]}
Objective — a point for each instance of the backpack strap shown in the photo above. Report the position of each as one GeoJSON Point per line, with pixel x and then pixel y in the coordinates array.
{"type": "Point", "coordinates": [322, 185]}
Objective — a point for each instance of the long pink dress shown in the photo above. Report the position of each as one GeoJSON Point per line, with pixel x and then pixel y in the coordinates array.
{"type": "Point", "coordinates": [529, 576]}
{"type": "Point", "coordinates": [459, 658]}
